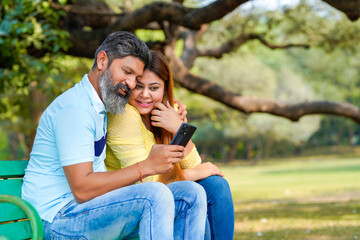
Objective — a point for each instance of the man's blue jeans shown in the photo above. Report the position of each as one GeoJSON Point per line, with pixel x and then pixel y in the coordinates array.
{"type": "Point", "coordinates": [220, 208]}
{"type": "Point", "coordinates": [148, 211]}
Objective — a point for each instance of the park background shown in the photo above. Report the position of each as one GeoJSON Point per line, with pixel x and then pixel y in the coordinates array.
{"type": "Point", "coordinates": [289, 179]}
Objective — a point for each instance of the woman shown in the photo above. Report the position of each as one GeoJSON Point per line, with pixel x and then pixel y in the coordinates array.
{"type": "Point", "coordinates": [150, 118]}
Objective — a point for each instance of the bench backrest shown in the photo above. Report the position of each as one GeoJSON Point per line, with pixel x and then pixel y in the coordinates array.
{"type": "Point", "coordinates": [14, 212]}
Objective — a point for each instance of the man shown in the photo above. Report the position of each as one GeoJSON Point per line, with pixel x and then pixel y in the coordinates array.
{"type": "Point", "coordinates": [66, 180]}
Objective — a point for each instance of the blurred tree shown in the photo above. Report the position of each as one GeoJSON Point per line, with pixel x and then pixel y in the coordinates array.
{"type": "Point", "coordinates": [257, 135]}
{"type": "Point", "coordinates": [28, 29]}
{"type": "Point", "coordinates": [89, 22]}
{"type": "Point", "coordinates": [33, 34]}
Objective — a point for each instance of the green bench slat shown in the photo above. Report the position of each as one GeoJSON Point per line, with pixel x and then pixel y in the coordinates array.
{"type": "Point", "coordinates": [12, 168]}
{"type": "Point", "coordinates": [11, 187]}
{"type": "Point", "coordinates": [16, 230]}
{"type": "Point", "coordinates": [10, 212]}
{"type": "Point", "coordinates": [13, 208]}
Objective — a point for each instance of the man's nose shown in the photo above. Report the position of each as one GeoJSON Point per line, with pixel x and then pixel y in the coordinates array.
{"type": "Point", "coordinates": [131, 82]}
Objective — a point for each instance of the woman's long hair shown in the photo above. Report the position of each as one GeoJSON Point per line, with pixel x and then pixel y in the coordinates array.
{"type": "Point", "coordinates": [161, 68]}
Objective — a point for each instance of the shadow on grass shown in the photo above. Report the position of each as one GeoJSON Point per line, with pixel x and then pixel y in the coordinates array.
{"type": "Point", "coordinates": [324, 233]}
{"type": "Point", "coordinates": [328, 210]}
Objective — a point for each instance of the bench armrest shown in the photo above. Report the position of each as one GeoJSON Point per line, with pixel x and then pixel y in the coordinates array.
{"type": "Point", "coordinates": [31, 213]}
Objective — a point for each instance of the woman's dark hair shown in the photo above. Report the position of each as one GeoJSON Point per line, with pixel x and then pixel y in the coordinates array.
{"type": "Point", "coordinates": [160, 67]}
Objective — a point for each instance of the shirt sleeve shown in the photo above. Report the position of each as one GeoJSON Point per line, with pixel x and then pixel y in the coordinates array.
{"type": "Point", "coordinates": [125, 139]}
{"type": "Point", "coordinates": [191, 160]}
{"type": "Point", "coordinates": [74, 130]}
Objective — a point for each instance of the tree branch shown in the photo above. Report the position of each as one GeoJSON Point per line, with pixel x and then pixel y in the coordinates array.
{"type": "Point", "coordinates": [102, 21]}
{"type": "Point", "coordinates": [350, 7]}
{"type": "Point", "coordinates": [81, 7]}
{"type": "Point", "coordinates": [191, 52]}
{"type": "Point", "coordinates": [248, 104]}
{"type": "Point", "coordinates": [173, 12]}
{"type": "Point", "coordinates": [212, 12]}
{"type": "Point", "coordinates": [235, 43]}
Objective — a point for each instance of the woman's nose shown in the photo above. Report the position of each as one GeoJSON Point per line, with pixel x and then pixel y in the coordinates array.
{"type": "Point", "coordinates": [145, 93]}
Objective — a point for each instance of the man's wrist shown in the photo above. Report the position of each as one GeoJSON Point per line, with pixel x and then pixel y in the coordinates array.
{"type": "Point", "coordinates": [146, 170]}
{"type": "Point", "coordinates": [178, 126]}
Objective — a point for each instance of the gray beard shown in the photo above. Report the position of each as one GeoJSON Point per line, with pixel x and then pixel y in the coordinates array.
{"type": "Point", "coordinates": [113, 101]}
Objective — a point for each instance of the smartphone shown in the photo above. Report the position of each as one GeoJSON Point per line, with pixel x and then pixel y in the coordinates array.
{"type": "Point", "coordinates": [183, 134]}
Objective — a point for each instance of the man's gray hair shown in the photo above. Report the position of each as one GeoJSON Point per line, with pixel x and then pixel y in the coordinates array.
{"type": "Point", "coordinates": [121, 44]}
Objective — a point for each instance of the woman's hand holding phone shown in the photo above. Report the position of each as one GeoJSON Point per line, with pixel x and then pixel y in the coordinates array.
{"type": "Point", "coordinates": [166, 117]}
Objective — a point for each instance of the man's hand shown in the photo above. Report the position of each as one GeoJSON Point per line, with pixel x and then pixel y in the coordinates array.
{"type": "Point", "coordinates": [181, 110]}
{"type": "Point", "coordinates": [162, 158]}
{"type": "Point", "coordinates": [86, 184]}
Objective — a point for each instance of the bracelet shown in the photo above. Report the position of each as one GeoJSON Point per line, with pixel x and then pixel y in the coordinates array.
{"type": "Point", "coordinates": [138, 167]}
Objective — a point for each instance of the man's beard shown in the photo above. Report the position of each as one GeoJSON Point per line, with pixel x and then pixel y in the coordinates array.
{"type": "Point", "coordinates": [114, 102]}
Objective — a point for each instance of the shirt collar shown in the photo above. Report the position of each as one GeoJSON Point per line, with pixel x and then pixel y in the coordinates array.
{"type": "Point", "coordinates": [92, 94]}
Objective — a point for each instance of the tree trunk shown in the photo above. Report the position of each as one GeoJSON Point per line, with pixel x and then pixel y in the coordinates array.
{"type": "Point", "coordinates": [224, 153]}
{"type": "Point", "coordinates": [247, 149]}
{"type": "Point", "coordinates": [13, 144]}
{"type": "Point", "coordinates": [351, 133]}
{"type": "Point", "coordinates": [38, 103]}
{"type": "Point", "coordinates": [232, 151]}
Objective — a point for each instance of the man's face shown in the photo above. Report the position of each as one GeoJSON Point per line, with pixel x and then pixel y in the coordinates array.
{"type": "Point", "coordinates": [117, 81]}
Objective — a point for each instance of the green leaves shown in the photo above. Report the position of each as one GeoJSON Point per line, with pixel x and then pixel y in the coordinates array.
{"type": "Point", "coordinates": [25, 25]}
{"type": "Point", "coordinates": [28, 28]}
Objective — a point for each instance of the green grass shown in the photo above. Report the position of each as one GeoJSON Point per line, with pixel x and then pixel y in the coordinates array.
{"type": "Point", "coordinates": [297, 198]}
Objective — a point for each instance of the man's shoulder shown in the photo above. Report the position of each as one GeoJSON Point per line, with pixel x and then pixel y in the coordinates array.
{"type": "Point", "coordinates": [74, 97]}
{"type": "Point", "coordinates": [73, 104]}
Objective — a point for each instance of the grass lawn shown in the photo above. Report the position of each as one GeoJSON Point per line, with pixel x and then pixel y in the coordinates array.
{"type": "Point", "coordinates": [303, 198]}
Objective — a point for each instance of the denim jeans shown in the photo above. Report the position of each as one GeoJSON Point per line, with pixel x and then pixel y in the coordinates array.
{"type": "Point", "coordinates": [148, 211]}
{"type": "Point", "coordinates": [220, 208]}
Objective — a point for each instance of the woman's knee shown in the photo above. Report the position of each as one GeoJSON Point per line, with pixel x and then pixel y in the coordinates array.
{"type": "Point", "coordinates": [189, 191]}
{"type": "Point", "coordinates": [198, 192]}
{"type": "Point", "coordinates": [215, 180]}
{"type": "Point", "coordinates": [216, 186]}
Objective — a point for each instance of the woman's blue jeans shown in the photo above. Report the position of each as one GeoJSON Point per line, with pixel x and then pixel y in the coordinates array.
{"type": "Point", "coordinates": [148, 211]}
{"type": "Point", "coordinates": [220, 208]}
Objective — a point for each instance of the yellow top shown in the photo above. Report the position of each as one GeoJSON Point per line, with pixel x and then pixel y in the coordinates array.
{"type": "Point", "coordinates": [129, 142]}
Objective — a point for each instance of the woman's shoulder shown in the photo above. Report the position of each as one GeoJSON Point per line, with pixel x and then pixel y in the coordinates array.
{"type": "Point", "coordinates": [130, 113]}
{"type": "Point", "coordinates": [132, 110]}
{"type": "Point", "coordinates": [129, 118]}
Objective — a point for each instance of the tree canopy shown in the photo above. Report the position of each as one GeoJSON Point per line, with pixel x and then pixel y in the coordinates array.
{"type": "Point", "coordinates": [44, 27]}
{"type": "Point", "coordinates": [36, 36]}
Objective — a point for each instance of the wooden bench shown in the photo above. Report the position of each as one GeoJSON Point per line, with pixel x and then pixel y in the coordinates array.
{"type": "Point", "coordinates": [18, 219]}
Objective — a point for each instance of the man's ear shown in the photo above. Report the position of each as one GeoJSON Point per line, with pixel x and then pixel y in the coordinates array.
{"type": "Point", "coordinates": [102, 60]}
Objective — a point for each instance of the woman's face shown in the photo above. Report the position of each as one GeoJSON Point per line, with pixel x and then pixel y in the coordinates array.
{"type": "Point", "coordinates": [148, 91]}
